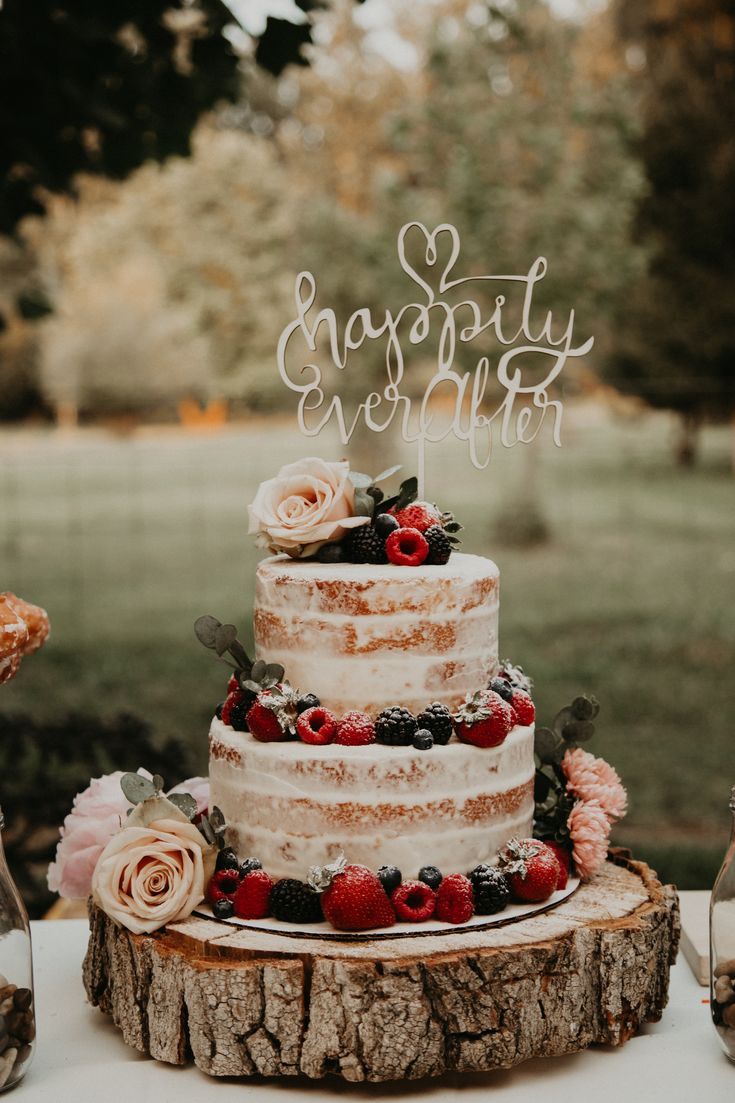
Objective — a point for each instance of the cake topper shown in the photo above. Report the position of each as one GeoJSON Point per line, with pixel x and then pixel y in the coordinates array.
{"type": "Point", "coordinates": [447, 313]}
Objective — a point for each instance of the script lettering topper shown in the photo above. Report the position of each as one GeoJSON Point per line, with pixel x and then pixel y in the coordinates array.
{"type": "Point", "coordinates": [518, 415]}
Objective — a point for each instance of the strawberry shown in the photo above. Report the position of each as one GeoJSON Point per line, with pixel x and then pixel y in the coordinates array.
{"type": "Point", "coordinates": [317, 726]}
{"type": "Point", "coordinates": [414, 901]}
{"type": "Point", "coordinates": [252, 899]}
{"type": "Point", "coordinates": [418, 515]}
{"type": "Point", "coordinates": [223, 885]}
{"type": "Point", "coordinates": [532, 869]}
{"type": "Point", "coordinates": [564, 858]}
{"type": "Point", "coordinates": [455, 899]}
{"type": "Point", "coordinates": [273, 715]}
{"type": "Point", "coordinates": [356, 729]}
{"type": "Point", "coordinates": [523, 707]}
{"type": "Point", "coordinates": [483, 719]}
{"type": "Point", "coordinates": [354, 900]}
{"type": "Point", "coordinates": [234, 697]}
{"type": "Point", "coordinates": [407, 547]}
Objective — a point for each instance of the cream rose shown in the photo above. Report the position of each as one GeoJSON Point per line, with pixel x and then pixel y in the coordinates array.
{"type": "Point", "coordinates": [154, 870]}
{"type": "Point", "coordinates": [309, 503]}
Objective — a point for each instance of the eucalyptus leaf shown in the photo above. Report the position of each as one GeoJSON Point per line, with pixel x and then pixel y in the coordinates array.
{"type": "Point", "coordinates": [408, 490]}
{"type": "Point", "coordinates": [388, 503]}
{"type": "Point", "coordinates": [186, 802]}
{"type": "Point", "coordinates": [546, 745]}
{"type": "Point", "coordinates": [254, 687]}
{"type": "Point", "coordinates": [360, 481]}
{"type": "Point", "coordinates": [137, 788]}
{"type": "Point", "coordinates": [224, 637]}
{"type": "Point", "coordinates": [240, 655]}
{"type": "Point", "coordinates": [275, 671]}
{"type": "Point", "coordinates": [216, 818]}
{"type": "Point", "coordinates": [541, 787]}
{"type": "Point", "coordinates": [205, 628]}
{"type": "Point", "coordinates": [364, 504]}
{"type": "Point", "coordinates": [387, 474]}
{"type": "Point", "coordinates": [207, 830]}
{"type": "Point", "coordinates": [585, 708]}
{"type": "Point", "coordinates": [453, 526]}
{"type": "Point", "coordinates": [158, 783]}
{"type": "Point", "coordinates": [258, 672]}
{"type": "Point", "coordinates": [563, 717]}
{"type": "Point", "coordinates": [578, 731]}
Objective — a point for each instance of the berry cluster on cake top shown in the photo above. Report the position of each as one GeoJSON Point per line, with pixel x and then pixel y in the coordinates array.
{"type": "Point", "coordinates": [314, 509]}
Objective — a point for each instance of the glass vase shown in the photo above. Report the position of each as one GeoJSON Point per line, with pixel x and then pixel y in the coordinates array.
{"type": "Point", "coordinates": [722, 947]}
{"type": "Point", "coordinates": [17, 1007]}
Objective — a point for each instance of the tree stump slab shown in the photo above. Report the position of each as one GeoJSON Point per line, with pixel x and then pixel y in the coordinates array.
{"type": "Point", "coordinates": [241, 1002]}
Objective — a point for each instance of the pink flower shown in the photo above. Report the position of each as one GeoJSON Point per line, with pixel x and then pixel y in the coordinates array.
{"type": "Point", "coordinates": [591, 778]}
{"type": "Point", "coordinates": [589, 828]}
{"type": "Point", "coordinates": [96, 815]}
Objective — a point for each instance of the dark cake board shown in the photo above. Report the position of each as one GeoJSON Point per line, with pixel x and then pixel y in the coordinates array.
{"type": "Point", "coordinates": [244, 1002]}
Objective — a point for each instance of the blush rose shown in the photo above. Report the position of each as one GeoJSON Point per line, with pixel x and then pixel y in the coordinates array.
{"type": "Point", "coordinates": [308, 504]}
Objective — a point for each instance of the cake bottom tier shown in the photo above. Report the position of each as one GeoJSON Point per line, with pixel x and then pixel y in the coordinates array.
{"type": "Point", "coordinates": [294, 806]}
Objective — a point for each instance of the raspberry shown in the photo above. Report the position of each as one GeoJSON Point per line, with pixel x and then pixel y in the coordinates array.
{"type": "Point", "coordinates": [365, 545]}
{"type": "Point", "coordinates": [413, 901]}
{"type": "Point", "coordinates": [419, 515]}
{"type": "Point", "coordinates": [295, 902]}
{"type": "Point", "coordinates": [406, 547]}
{"type": "Point", "coordinates": [438, 720]}
{"type": "Point", "coordinates": [396, 727]}
{"type": "Point", "coordinates": [355, 729]}
{"type": "Point", "coordinates": [523, 708]}
{"type": "Point", "coordinates": [454, 899]}
{"type": "Point", "coordinates": [251, 901]}
{"type": "Point", "coordinates": [223, 884]}
{"type": "Point", "coordinates": [440, 546]}
{"type": "Point", "coordinates": [316, 726]}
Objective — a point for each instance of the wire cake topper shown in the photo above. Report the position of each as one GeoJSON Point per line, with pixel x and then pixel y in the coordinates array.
{"type": "Point", "coordinates": [524, 404]}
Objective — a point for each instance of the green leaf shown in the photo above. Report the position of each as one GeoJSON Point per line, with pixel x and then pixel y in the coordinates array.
{"type": "Point", "coordinates": [224, 637]}
{"type": "Point", "coordinates": [546, 745]}
{"type": "Point", "coordinates": [275, 671]}
{"type": "Point", "coordinates": [185, 802]}
{"type": "Point", "coordinates": [563, 717]}
{"type": "Point", "coordinates": [137, 788]}
{"type": "Point", "coordinates": [206, 628]}
{"type": "Point", "coordinates": [360, 481]}
{"type": "Point", "coordinates": [578, 731]}
{"type": "Point", "coordinates": [364, 504]}
{"type": "Point", "coordinates": [240, 656]}
{"type": "Point", "coordinates": [408, 490]}
{"type": "Point", "coordinates": [258, 672]}
{"type": "Point", "coordinates": [453, 526]}
{"type": "Point", "coordinates": [387, 473]}
{"type": "Point", "coordinates": [584, 708]}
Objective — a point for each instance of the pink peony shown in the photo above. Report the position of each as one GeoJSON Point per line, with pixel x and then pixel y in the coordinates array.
{"type": "Point", "coordinates": [97, 814]}
{"type": "Point", "coordinates": [589, 828]}
{"type": "Point", "coordinates": [591, 778]}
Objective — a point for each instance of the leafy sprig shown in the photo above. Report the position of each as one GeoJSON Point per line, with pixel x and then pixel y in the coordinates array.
{"type": "Point", "coordinates": [138, 789]}
{"type": "Point", "coordinates": [572, 725]}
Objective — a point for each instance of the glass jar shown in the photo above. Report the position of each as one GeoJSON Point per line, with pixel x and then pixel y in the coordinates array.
{"type": "Point", "coordinates": [722, 946]}
{"type": "Point", "coordinates": [17, 1008]}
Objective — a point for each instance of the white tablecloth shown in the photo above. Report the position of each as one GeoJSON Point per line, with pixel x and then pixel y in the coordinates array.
{"type": "Point", "coordinates": [81, 1056]}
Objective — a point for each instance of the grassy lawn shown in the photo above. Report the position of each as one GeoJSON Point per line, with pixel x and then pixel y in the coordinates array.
{"type": "Point", "coordinates": [126, 541]}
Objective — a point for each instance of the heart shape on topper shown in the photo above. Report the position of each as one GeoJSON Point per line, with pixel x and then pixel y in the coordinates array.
{"type": "Point", "coordinates": [431, 254]}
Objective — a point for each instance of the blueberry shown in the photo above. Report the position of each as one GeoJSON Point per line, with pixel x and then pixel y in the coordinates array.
{"type": "Point", "coordinates": [308, 701]}
{"type": "Point", "coordinates": [502, 687]}
{"type": "Point", "coordinates": [390, 878]}
{"type": "Point", "coordinates": [223, 909]}
{"type": "Point", "coordinates": [331, 553]}
{"type": "Point", "coordinates": [218, 710]}
{"type": "Point", "coordinates": [227, 859]}
{"type": "Point", "coordinates": [385, 524]}
{"type": "Point", "coordinates": [431, 876]}
{"type": "Point", "coordinates": [423, 740]}
{"type": "Point", "coordinates": [249, 865]}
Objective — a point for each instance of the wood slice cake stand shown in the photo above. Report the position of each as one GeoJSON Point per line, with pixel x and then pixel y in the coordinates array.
{"type": "Point", "coordinates": [243, 1002]}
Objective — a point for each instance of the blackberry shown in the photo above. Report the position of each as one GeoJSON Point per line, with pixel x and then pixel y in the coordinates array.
{"type": "Point", "coordinates": [440, 546]}
{"type": "Point", "coordinates": [502, 687]}
{"type": "Point", "coordinates": [490, 889]}
{"type": "Point", "coordinates": [307, 701]}
{"type": "Point", "coordinates": [365, 545]}
{"type": "Point", "coordinates": [390, 878]}
{"type": "Point", "coordinates": [385, 524]}
{"type": "Point", "coordinates": [396, 727]}
{"type": "Point", "coordinates": [423, 740]}
{"type": "Point", "coordinates": [249, 865]}
{"type": "Point", "coordinates": [437, 719]}
{"type": "Point", "coordinates": [223, 909]}
{"type": "Point", "coordinates": [239, 712]}
{"type": "Point", "coordinates": [295, 902]}
{"type": "Point", "coordinates": [227, 859]}
{"type": "Point", "coordinates": [431, 876]}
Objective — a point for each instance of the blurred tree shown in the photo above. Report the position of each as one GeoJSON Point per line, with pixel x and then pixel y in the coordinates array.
{"type": "Point", "coordinates": [677, 347]}
{"type": "Point", "coordinates": [102, 87]}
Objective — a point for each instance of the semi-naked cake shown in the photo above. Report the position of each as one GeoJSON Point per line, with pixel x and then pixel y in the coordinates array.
{"type": "Point", "coordinates": [364, 636]}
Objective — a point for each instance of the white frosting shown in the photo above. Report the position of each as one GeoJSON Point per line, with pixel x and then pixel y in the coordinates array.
{"type": "Point", "coordinates": [295, 805]}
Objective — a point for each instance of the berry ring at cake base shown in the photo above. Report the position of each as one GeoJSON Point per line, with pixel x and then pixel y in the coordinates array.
{"type": "Point", "coordinates": [391, 872]}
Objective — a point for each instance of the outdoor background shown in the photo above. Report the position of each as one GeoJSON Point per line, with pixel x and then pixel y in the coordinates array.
{"type": "Point", "coordinates": [166, 169]}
